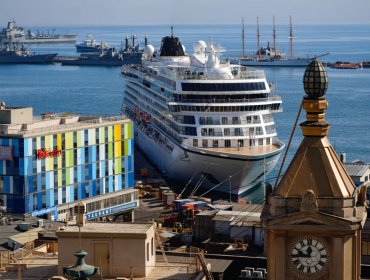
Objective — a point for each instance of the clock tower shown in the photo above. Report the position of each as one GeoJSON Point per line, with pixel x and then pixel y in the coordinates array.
{"type": "Point", "coordinates": [313, 217]}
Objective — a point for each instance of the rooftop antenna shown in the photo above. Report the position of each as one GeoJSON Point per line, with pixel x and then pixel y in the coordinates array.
{"type": "Point", "coordinates": [171, 31]}
{"type": "Point", "coordinates": [258, 40]}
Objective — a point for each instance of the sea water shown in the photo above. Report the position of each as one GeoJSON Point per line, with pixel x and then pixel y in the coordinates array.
{"type": "Point", "coordinates": [98, 90]}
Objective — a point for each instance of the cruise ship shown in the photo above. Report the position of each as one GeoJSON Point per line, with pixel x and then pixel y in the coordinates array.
{"type": "Point", "coordinates": [202, 122]}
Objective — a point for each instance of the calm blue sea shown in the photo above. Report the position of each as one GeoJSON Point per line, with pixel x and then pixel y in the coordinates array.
{"type": "Point", "coordinates": [98, 90]}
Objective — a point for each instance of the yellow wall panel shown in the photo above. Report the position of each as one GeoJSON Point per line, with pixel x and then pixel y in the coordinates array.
{"type": "Point", "coordinates": [101, 135]}
{"type": "Point", "coordinates": [69, 140]}
{"type": "Point", "coordinates": [117, 132]}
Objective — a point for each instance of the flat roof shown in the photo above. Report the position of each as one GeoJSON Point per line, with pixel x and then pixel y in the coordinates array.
{"type": "Point", "coordinates": [52, 123]}
{"type": "Point", "coordinates": [107, 228]}
{"type": "Point", "coordinates": [254, 214]}
{"type": "Point", "coordinates": [11, 230]}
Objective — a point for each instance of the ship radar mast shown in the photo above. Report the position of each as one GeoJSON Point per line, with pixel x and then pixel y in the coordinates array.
{"type": "Point", "coordinates": [258, 40]}
{"type": "Point", "coordinates": [243, 37]}
{"type": "Point", "coordinates": [274, 34]}
{"type": "Point", "coordinates": [291, 38]}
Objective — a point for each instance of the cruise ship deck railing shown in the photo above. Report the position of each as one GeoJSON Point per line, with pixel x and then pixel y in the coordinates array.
{"type": "Point", "coordinates": [215, 134]}
{"type": "Point", "coordinates": [211, 101]}
{"type": "Point", "coordinates": [183, 73]}
{"type": "Point", "coordinates": [224, 109]}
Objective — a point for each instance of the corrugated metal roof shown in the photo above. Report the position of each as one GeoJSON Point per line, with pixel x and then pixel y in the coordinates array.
{"type": "Point", "coordinates": [356, 169]}
{"type": "Point", "coordinates": [25, 237]}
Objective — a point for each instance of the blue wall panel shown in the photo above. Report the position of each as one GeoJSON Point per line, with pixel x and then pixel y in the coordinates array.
{"type": "Point", "coordinates": [31, 188]}
{"type": "Point", "coordinates": [110, 183]}
{"type": "Point", "coordinates": [15, 144]}
{"type": "Point", "coordinates": [71, 193]}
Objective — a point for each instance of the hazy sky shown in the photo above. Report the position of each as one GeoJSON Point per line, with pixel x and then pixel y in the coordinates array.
{"type": "Point", "coordinates": [121, 12]}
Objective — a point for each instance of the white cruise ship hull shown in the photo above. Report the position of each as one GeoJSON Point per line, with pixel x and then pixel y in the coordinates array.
{"type": "Point", "coordinates": [225, 174]}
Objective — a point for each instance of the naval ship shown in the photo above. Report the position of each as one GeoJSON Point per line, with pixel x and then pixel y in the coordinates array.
{"type": "Point", "coordinates": [130, 54]}
{"type": "Point", "coordinates": [18, 35]}
{"type": "Point", "coordinates": [201, 121]}
{"type": "Point", "coordinates": [15, 53]}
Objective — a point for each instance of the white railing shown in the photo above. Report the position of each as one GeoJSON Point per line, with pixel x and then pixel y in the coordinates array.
{"type": "Point", "coordinates": [60, 126]}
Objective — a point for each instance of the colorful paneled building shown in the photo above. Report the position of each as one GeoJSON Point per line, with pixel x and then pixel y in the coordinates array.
{"type": "Point", "coordinates": [49, 163]}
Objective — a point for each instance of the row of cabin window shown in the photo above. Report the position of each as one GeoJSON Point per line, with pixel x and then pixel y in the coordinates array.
{"type": "Point", "coordinates": [227, 143]}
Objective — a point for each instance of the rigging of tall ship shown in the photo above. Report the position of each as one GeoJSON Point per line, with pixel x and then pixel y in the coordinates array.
{"type": "Point", "coordinates": [202, 122]}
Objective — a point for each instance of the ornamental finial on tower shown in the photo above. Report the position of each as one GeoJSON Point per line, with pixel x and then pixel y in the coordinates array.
{"type": "Point", "coordinates": [315, 82]}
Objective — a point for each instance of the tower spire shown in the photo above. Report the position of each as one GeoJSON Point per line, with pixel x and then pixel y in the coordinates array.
{"type": "Point", "coordinates": [313, 219]}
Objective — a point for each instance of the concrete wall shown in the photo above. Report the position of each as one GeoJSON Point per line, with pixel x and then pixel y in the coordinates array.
{"type": "Point", "coordinates": [124, 252]}
{"type": "Point", "coordinates": [16, 115]}
{"type": "Point", "coordinates": [222, 227]}
{"type": "Point", "coordinates": [253, 235]}
{"type": "Point", "coordinates": [204, 227]}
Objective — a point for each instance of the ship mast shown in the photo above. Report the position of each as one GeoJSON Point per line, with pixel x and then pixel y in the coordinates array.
{"type": "Point", "coordinates": [274, 32]}
{"type": "Point", "coordinates": [291, 38]}
{"type": "Point", "coordinates": [258, 40]}
{"type": "Point", "coordinates": [243, 36]}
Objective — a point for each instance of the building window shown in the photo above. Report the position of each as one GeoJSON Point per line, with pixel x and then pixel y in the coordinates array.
{"type": "Point", "coordinates": [227, 143]}
{"type": "Point", "coordinates": [251, 142]}
{"type": "Point", "coordinates": [195, 142]}
{"type": "Point", "coordinates": [268, 141]}
{"type": "Point", "coordinates": [259, 131]}
{"type": "Point", "coordinates": [227, 131]}
{"type": "Point", "coordinates": [205, 143]}
{"type": "Point", "coordinates": [240, 143]}
{"type": "Point", "coordinates": [215, 143]}
{"type": "Point", "coordinates": [235, 120]}
{"type": "Point", "coordinates": [152, 246]}
{"type": "Point", "coordinates": [238, 131]}
{"type": "Point", "coordinates": [365, 250]}
{"type": "Point", "coordinates": [260, 142]}
{"type": "Point", "coordinates": [256, 119]}
{"type": "Point", "coordinates": [224, 120]}
{"type": "Point", "coordinates": [147, 251]}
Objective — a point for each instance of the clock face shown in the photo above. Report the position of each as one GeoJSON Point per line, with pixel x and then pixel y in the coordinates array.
{"type": "Point", "coordinates": [309, 255]}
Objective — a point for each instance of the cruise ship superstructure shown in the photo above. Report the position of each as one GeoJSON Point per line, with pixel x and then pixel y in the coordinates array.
{"type": "Point", "coordinates": [200, 121]}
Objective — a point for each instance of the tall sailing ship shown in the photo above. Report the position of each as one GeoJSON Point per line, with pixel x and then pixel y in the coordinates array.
{"type": "Point", "coordinates": [200, 121]}
{"type": "Point", "coordinates": [271, 56]}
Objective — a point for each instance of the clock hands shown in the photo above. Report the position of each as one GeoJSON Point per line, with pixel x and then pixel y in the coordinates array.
{"type": "Point", "coordinates": [309, 251]}
{"type": "Point", "coordinates": [309, 256]}
{"type": "Point", "coordinates": [302, 254]}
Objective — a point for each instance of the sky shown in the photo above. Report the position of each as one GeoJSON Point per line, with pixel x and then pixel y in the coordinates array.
{"type": "Point", "coordinates": [159, 12]}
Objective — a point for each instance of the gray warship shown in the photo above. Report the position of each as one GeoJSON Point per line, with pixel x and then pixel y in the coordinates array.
{"type": "Point", "coordinates": [18, 35]}
{"type": "Point", "coordinates": [130, 54]}
{"type": "Point", "coordinates": [15, 53]}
